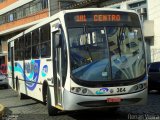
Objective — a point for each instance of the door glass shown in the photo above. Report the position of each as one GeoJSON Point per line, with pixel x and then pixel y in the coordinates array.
{"type": "Point", "coordinates": [59, 75]}
{"type": "Point", "coordinates": [57, 72]}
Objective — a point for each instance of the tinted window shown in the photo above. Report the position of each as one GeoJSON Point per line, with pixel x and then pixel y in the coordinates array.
{"type": "Point", "coordinates": [28, 46]}
{"type": "Point", "coordinates": [28, 40]}
{"type": "Point", "coordinates": [45, 42]}
{"type": "Point", "coordinates": [35, 44]}
{"type": "Point", "coordinates": [35, 37]}
{"type": "Point", "coordinates": [21, 48]}
{"type": "Point", "coordinates": [45, 33]}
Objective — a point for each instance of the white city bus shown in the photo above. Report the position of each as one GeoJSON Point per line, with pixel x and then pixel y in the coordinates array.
{"type": "Point", "coordinates": [81, 59]}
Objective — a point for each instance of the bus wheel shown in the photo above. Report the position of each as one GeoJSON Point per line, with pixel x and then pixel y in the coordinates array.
{"type": "Point", "coordinates": [51, 110]}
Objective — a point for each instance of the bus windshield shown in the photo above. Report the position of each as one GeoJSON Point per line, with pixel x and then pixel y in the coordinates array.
{"type": "Point", "coordinates": [106, 52]}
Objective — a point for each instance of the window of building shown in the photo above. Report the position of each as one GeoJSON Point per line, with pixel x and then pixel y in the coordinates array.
{"type": "Point", "coordinates": [32, 9]}
{"type": "Point", "coordinates": [45, 42]}
{"type": "Point", "coordinates": [19, 13]}
{"type": "Point", "coordinates": [26, 10]}
{"type": "Point", "coordinates": [35, 6]}
{"type": "Point", "coordinates": [2, 1]}
{"type": "Point", "coordinates": [1, 19]}
{"type": "Point", "coordinates": [38, 6]}
{"type": "Point", "coordinates": [11, 18]}
{"type": "Point", "coordinates": [137, 4]}
{"type": "Point", "coordinates": [44, 4]}
{"type": "Point", "coordinates": [23, 11]}
{"type": "Point", "coordinates": [7, 17]}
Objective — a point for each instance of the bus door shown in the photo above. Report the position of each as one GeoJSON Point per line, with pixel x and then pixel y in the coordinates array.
{"type": "Point", "coordinates": [12, 64]}
{"type": "Point", "coordinates": [57, 64]}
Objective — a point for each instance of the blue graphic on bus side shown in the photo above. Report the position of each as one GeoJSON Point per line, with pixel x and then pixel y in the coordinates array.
{"type": "Point", "coordinates": [44, 71]}
{"type": "Point", "coordinates": [102, 91]}
{"type": "Point", "coordinates": [31, 74]}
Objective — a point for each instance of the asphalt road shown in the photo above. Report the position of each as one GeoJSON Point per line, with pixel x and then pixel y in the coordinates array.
{"type": "Point", "coordinates": [30, 109]}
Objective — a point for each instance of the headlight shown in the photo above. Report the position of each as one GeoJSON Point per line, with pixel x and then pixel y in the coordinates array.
{"type": "Point", "coordinates": [81, 91]}
{"type": "Point", "coordinates": [138, 87]}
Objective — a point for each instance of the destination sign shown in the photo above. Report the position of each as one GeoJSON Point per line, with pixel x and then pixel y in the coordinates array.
{"type": "Point", "coordinates": [98, 18]}
{"type": "Point", "coordinates": [101, 18]}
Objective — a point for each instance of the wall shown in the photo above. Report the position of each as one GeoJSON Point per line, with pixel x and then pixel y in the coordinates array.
{"type": "Point", "coordinates": [40, 15]}
{"type": "Point", "coordinates": [154, 14]}
{"type": "Point", "coordinates": [6, 3]}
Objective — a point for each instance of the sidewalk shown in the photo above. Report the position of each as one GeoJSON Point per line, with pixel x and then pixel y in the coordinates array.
{"type": "Point", "coordinates": [1, 110]}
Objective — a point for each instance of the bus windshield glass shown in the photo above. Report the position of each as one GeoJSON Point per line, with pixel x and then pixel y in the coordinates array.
{"type": "Point", "coordinates": [105, 47]}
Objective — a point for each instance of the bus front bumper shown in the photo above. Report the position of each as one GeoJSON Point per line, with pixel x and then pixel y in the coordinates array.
{"type": "Point", "coordinates": [73, 101]}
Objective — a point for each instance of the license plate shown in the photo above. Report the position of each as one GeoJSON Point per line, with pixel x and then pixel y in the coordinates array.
{"type": "Point", "coordinates": [113, 100]}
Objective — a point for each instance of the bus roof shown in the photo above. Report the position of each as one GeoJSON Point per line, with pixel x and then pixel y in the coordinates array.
{"type": "Point", "coordinates": [62, 13]}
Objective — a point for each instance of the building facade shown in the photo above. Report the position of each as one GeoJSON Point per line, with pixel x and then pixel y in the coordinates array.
{"type": "Point", "coordinates": [18, 15]}
{"type": "Point", "coordinates": [154, 16]}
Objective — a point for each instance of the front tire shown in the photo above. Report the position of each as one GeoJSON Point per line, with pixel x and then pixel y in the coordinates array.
{"type": "Point", "coordinates": [51, 110]}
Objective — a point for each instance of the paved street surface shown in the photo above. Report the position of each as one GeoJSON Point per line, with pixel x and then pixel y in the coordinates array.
{"type": "Point", "coordinates": [30, 109]}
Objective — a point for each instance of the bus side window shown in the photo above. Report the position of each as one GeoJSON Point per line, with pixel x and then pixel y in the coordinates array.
{"type": "Point", "coordinates": [35, 44]}
{"type": "Point", "coordinates": [21, 48]}
{"type": "Point", "coordinates": [16, 49]}
{"type": "Point", "coordinates": [44, 51]}
{"type": "Point", "coordinates": [28, 46]}
{"type": "Point", "coordinates": [45, 41]}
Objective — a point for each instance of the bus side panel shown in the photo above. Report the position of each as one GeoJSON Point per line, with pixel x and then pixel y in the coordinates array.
{"type": "Point", "coordinates": [52, 96]}
{"type": "Point", "coordinates": [47, 75]}
{"type": "Point", "coordinates": [32, 82]}
{"type": "Point", "coordinates": [36, 72]}
{"type": "Point", "coordinates": [18, 73]}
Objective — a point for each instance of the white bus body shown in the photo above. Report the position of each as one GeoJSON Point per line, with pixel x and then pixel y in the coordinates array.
{"type": "Point", "coordinates": [81, 59]}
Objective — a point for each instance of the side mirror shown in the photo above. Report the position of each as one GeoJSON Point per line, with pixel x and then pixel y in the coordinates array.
{"type": "Point", "coordinates": [58, 39]}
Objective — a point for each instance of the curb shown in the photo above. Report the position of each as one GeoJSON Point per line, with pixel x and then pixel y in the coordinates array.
{"type": "Point", "coordinates": [1, 110]}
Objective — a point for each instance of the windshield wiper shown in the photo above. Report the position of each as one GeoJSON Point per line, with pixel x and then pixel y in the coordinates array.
{"type": "Point", "coordinates": [85, 32]}
{"type": "Point", "coordinates": [120, 38]}
{"type": "Point", "coordinates": [118, 42]}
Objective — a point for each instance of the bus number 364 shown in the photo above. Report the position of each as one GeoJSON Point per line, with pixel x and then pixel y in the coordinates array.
{"type": "Point", "coordinates": [119, 90]}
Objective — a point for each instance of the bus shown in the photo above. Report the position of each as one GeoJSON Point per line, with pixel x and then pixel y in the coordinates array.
{"type": "Point", "coordinates": [81, 59]}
